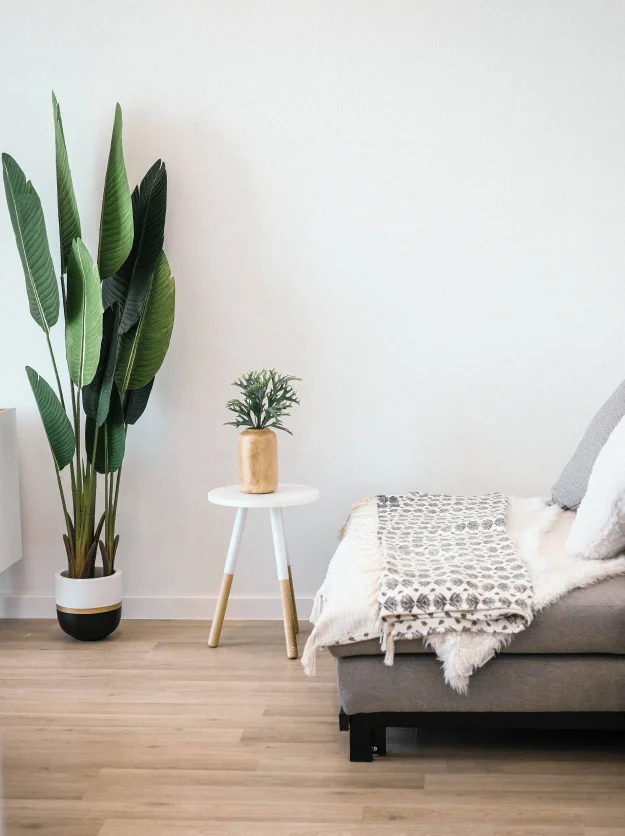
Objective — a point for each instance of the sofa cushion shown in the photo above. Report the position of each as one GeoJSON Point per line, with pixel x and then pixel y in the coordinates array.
{"type": "Point", "coordinates": [570, 488]}
{"type": "Point", "coordinates": [598, 530]}
{"type": "Point", "coordinates": [588, 620]}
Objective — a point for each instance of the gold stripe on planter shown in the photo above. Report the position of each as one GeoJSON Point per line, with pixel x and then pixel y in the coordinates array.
{"type": "Point", "coordinates": [90, 611]}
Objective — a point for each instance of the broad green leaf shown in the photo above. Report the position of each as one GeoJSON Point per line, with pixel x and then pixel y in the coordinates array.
{"type": "Point", "coordinates": [143, 348]}
{"type": "Point", "coordinates": [54, 418]}
{"type": "Point", "coordinates": [114, 289]}
{"type": "Point", "coordinates": [136, 402]}
{"type": "Point", "coordinates": [111, 443]}
{"type": "Point", "coordinates": [149, 206]}
{"type": "Point", "coordinates": [83, 319]}
{"type": "Point", "coordinates": [29, 227]}
{"type": "Point", "coordinates": [97, 395]}
{"type": "Point", "coordinates": [116, 226]}
{"type": "Point", "coordinates": [69, 220]}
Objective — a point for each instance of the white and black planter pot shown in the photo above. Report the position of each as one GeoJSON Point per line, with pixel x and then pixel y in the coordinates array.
{"type": "Point", "coordinates": [89, 609]}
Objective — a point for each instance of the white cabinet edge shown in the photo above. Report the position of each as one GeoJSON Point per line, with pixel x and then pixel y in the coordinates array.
{"type": "Point", "coordinates": [10, 516]}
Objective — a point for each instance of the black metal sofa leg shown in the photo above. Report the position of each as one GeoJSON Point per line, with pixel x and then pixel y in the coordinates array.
{"type": "Point", "coordinates": [379, 740]}
{"type": "Point", "coordinates": [343, 721]}
{"type": "Point", "coordinates": [366, 738]}
{"type": "Point", "coordinates": [360, 738]}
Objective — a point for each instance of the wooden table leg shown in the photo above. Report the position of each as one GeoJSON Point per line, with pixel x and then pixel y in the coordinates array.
{"type": "Point", "coordinates": [220, 610]}
{"type": "Point", "coordinates": [226, 582]}
{"type": "Point", "coordinates": [293, 604]}
{"type": "Point", "coordinates": [287, 615]}
{"type": "Point", "coordinates": [277, 529]}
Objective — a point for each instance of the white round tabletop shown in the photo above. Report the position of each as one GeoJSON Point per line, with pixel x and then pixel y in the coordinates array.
{"type": "Point", "coordinates": [285, 495]}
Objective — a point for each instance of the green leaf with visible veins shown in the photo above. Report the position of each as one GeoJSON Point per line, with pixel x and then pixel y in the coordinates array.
{"type": "Point", "coordinates": [83, 319]}
{"type": "Point", "coordinates": [143, 348]}
{"type": "Point", "coordinates": [111, 437]}
{"type": "Point", "coordinates": [114, 289]}
{"type": "Point", "coordinates": [69, 220]}
{"type": "Point", "coordinates": [96, 395]}
{"type": "Point", "coordinates": [129, 285]}
{"type": "Point", "coordinates": [116, 226]}
{"type": "Point", "coordinates": [149, 205]}
{"type": "Point", "coordinates": [31, 237]}
{"type": "Point", "coordinates": [136, 402]}
{"type": "Point", "coordinates": [54, 418]}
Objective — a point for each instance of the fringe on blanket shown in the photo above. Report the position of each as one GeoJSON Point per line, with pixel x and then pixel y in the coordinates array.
{"type": "Point", "coordinates": [309, 656]}
{"type": "Point", "coordinates": [387, 643]}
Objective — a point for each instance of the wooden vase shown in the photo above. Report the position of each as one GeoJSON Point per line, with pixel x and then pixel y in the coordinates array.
{"type": "Point", "coordinates": [258, 461]}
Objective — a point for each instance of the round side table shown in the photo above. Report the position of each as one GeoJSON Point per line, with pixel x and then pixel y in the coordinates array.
{"type": "Point", "coordinates": [283, 497]}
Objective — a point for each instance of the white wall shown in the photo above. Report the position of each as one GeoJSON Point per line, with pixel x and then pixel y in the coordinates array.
{"type": "Point", "coordinates": [419, 207]}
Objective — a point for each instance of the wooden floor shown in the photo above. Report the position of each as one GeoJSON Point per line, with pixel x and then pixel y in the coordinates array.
{"type": "Point", "coordinates": [151, 733]}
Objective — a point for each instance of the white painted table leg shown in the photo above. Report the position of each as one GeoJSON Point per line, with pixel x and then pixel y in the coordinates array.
{"type": "Point", "coordinates": [282, 565]}
{"type": "Point", "coordinates": [226, 582]}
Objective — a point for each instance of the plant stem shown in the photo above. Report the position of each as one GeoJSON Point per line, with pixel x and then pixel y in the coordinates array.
{"type": "Point", "coordinates": [106, 488]}
{"type": "Point", "coordinates": [56, 371]}
{"type": "Point", "coordinates": [72, 471]}
{"type": "Point", "coordinates": [111, 483]}
{"type": "Point", "coordinates": [71, 385]}
{"type": "Point", "coordinates": [93, 486]}
{"type": "Point", "coordinates": [78, 452]}
{"type": "Point", "coordinates": [114, 504]}
{"type": "Point", "coordinates": [92, 477]}
{"type": "Point", "coordinates": [66, 517]}
{"type": "Point", "coordinates": [71, 464]}
{"type": "Point", "coordinates": [64, 503]}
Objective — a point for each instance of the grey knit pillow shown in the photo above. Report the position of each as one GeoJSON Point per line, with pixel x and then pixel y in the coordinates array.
{"type": "Point", "coordinates": [570, 488]}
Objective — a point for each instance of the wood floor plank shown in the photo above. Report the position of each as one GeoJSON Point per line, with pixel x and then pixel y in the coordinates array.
{"type": "Point", "coordinates": [191, 756]}
{"type": "Point", "coordinates": [150, 827]}
{"type": "Point", "coordinates": [50, 789]}
{"type": "Point", "coordinates": [537, 766]}
{"type": "Point", "coordinates": [69, 736]}
{"type": "Point", "coordinates": [609, 818]}
{"type": "Point", "coordinates": [480, 810]}
{"type": "Point", "coordinates": [181, 806]}
{"type": "Point", "coordinates": [340, 779]}
{"type": "Point", "coordinates": [207, 795]}
{"type": "Point", "coordinates": [533, 783]}
{"type": "Point", "coordinates": [154, 717]}
{"type": "Point", "coordinates": [32, 823]}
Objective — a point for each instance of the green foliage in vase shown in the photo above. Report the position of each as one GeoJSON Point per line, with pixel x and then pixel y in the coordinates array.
{"type": "Point", "coordinates": [119, 314]}
{"type": "Point", "coordinates": [267, 398]}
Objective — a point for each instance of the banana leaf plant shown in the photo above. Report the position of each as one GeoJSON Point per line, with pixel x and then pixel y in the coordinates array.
{"type": "Point", "coordinates": [118, 312]}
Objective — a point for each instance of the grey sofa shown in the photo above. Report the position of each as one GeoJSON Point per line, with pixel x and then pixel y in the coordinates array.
{"type": "Point", "coordinates": [567, 670]}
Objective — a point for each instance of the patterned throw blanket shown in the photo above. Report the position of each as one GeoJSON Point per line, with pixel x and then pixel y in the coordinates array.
{"type": "Point", "coordinates": [448, 565]}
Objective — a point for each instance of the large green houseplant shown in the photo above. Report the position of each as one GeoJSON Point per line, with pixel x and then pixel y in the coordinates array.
{"type": "Point", "coordinates": [118, 311]}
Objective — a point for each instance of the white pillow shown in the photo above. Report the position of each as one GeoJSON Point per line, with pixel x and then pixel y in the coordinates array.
{"type": "Point", "coordinates": [598, 531]}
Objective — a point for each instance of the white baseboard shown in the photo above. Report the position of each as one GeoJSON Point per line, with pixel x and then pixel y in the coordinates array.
{"type": "Point", "coordinates": [42, 606]}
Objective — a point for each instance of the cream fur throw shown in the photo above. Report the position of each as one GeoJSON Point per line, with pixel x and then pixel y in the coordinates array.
{"type": "Point", "coordinates": [346, 607]}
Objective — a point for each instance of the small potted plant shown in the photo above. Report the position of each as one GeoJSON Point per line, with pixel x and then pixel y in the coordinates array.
{"type": "Point", "coordinates": [266, 399]}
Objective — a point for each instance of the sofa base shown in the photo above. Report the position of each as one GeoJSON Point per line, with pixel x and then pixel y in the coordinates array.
{"type": "Point", "coordinates": [511, 683]}
{"type": "Point", "coordinates": [367, 732]}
